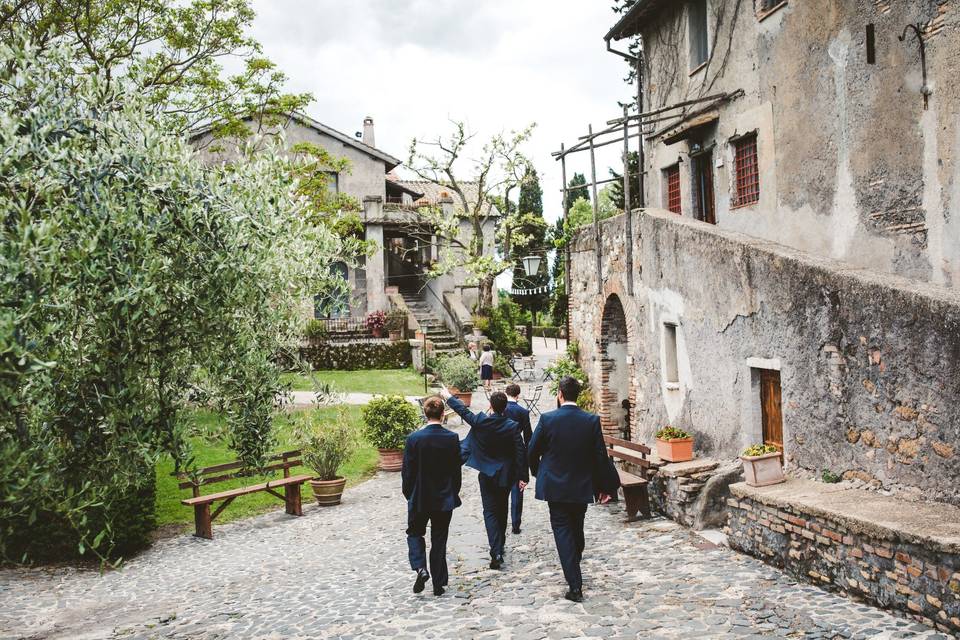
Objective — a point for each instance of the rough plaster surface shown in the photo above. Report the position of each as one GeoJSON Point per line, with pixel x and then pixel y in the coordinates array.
{"type": "Point", "coordinates": [869, 362]}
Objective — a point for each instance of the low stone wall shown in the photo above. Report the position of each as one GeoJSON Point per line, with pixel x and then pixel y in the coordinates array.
{"type": "Point", "coordinates": [693, 493]}
{"type": "Point", "coordinates": [907, 559]}
{"type": "Point", "coordinates": [358, 355]}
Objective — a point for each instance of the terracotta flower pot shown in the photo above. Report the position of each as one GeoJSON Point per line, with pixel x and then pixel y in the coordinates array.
{"type": "Point", "coordinates": [391, 459]}
{"type": "Point", "coordinates": [676, 450]}
{"type": "Point", "coordinates": [377, 332]}
{"type": "Point", "coordinates": [465, 398]}
{"type": "Point", "coordinates": [394, 335]}
{"type": "Point", "coordinates": [760, 471]}
{"type": "Point", "coordinates": [328, 492]}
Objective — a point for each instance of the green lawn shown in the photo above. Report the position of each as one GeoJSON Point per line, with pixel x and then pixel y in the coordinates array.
{"type": "Point", "coordinates": [405, 382]}
{"type": "Point", "coordinates": [209, 446]}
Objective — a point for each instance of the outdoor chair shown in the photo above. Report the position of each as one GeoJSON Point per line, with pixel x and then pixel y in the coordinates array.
{"type": "Point", "coordinates": [533, 401]}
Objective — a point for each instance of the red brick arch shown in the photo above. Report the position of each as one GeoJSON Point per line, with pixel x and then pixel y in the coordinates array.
{"type": "Point", "coordinates": [616, 325]}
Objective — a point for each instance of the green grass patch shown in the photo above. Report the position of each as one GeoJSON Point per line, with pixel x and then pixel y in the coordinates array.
{"type": "Point", "coordinates": [210, 448]}
{"type": "Point", "coordinates": [406, 382]}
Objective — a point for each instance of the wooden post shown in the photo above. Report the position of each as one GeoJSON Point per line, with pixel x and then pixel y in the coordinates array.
{"type": "Point", "coordinates": [291, 494]}
{"type": "Point", "coordinates": [640, 164]}
{"type": "Point", "coordinates": [202, 521]}
{"type": "Point", "coordinates": [596, 213]}
{"type": "Point", "coordinates": [566, 247]}
{"type": "Point", "coordinates": [627, 209]}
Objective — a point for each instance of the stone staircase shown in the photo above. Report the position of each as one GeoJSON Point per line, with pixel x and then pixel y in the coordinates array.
{"type": "Point", "coordinates": [444, 341]}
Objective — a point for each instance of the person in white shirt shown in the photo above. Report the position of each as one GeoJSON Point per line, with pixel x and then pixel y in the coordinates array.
{"type": "Point", "coordinates": [486, 365]}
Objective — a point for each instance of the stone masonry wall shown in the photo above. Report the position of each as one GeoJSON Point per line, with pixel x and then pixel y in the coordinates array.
{"type": "Point", "coordinates": [869, 362]}
{"type": "Point", "coordinates": [921, 581]}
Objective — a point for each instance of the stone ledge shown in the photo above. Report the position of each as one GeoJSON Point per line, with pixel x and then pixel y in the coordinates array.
{"type": "Point", "coordinates": [930, 524]}
{"type": "Point", "coordinates": [689, 468]}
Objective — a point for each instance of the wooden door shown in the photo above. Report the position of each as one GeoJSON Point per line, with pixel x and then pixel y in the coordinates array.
{"type": "Point", "coordinates": [703, 184]}
{"type": "Point", "coordinates": [770, 408]}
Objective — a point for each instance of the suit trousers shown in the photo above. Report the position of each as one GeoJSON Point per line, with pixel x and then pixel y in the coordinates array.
{"type": "Point", "coordinates": [495, 501]}
{"type": "Point", "coordinates": [516, 506]}
{"type": "Point", "coordinates": [566, 520]}
{"type": "Point", "coordinates": [417, 546]}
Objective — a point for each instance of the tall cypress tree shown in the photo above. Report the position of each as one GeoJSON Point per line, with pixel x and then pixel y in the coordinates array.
{"type": "Point", "coordinates": [575, 190]}
{"type": "Point", "coordinates": [530, 238]}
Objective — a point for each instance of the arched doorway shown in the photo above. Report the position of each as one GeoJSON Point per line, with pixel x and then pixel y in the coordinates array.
{"type": "Point", "coordinates": [615, 398]}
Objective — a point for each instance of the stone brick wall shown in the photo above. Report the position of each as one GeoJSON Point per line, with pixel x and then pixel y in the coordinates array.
{"type": "Point", "coordinates": [922, 581]}
{"type": "Point", "coordinates": [869, 362]}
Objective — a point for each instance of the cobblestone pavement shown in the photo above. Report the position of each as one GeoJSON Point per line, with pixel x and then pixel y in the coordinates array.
{"type": "Point", "coordinates": [342, 573]}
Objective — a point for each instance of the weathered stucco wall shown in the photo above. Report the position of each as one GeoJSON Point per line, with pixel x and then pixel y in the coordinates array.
{"type": "Point", "coordinates": [869, 362]}
{"type": "Point", "coordinates": [851, 164]}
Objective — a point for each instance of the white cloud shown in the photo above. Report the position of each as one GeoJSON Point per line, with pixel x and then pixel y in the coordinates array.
{"type": "Point", "coordinates": [414, 64]}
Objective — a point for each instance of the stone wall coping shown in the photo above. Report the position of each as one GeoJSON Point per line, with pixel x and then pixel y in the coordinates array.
{"type": "Point", "coordinates": [689, 468]}
{"type": "Point", "coordinates": [930, 524]}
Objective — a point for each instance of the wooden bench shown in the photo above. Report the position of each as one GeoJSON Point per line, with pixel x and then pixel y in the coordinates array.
{"type": "Point", "coordinates": [634, 487]}
{"type": "Point", "coordinates": [202, 517]}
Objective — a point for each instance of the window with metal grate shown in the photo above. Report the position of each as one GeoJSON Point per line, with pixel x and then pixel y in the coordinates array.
{"type": "Point", "coordinates": [747, 171]}
{"type": "Point", "coordinates": [672, 179]}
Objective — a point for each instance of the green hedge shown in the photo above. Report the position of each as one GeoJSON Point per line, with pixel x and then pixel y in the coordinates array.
{"type": "Point", "coordinates": [358, 355]}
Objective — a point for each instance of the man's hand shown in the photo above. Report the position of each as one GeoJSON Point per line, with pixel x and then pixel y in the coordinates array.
{"type": "Point", "coordinates": [444, 392]}
{"type": "Point", "coordinates": [522, 485]}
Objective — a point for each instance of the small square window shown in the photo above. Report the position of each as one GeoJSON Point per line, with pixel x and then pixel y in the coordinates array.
{"type": "Point", "coordinates": [747, 171]}
{"type": "Point", "coordinates": [671, 177]}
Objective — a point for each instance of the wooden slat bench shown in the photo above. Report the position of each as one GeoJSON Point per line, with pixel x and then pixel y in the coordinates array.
{"type": "Point", "coordinates": [634, 487]}
{"type": "Point", "coordinates": [202, 517]}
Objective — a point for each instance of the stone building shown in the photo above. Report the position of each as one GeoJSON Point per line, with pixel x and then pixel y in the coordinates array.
{"type": "Point", "coordinates": [403, 251]}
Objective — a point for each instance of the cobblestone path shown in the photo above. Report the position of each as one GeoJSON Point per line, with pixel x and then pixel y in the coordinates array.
{"type": "Point", "coordinates": [342, 573]}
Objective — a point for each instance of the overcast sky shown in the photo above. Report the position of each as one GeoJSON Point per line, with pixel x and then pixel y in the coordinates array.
{"type": "Point", "coordinates": [414, 64]}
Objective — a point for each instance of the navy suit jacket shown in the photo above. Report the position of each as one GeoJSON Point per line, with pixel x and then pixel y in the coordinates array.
{"type": "Point", "coordinates": [521, 416]}
{"type": "Point", "coordinates": [431, 469]}
{"type": "Point", "coordinates": [494, 446]}
{"type": "Point", "coordinates": [568, 457]}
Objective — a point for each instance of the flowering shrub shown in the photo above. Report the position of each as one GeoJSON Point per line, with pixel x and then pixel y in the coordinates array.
{"type": "Point", "coordinates": [376, 321]}
{"type": "Point", "coordinates": [759, 450]}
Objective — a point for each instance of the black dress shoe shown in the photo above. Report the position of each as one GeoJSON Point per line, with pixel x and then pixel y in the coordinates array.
{"type": "Point", "coordinates": [438, 591]}
{"type": "Point", "coordinates": [496, 562]}
{"type": "Point", "coordinates": [574, 595]}
{"type": "Point", "coordinates": [422, 577]}
{"type": "Point", "coordinates": [516, 529]}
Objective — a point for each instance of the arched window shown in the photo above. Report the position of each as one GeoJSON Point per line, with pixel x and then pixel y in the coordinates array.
{"type": "Point", "coordinates": [336, 305]}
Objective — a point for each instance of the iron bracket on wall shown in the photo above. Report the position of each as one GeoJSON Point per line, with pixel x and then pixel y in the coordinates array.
{"type": "Point", "coordinates": [918, 34]}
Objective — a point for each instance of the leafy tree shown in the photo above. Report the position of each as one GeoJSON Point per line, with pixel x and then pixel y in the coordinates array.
{"type": "Point", "coordinates": [131, 278]}
{"type": "Point", "coordinates": [494, 173]}
{"type": "Point", "coordinates": [170, 51]}
{"type": "Point", "coordinates": [528, 232]}
{"type": "Point", "coordinates": [531, 194]}
{"type": "Point", "coordinates": [575, 191]}
{"type": "Point", "coordinates": [616, 188]}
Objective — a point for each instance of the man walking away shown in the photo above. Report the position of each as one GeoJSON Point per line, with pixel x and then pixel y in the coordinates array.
{"type": "Point", "coordinates": [521, 416]}
{"type": "Point", "coordinates": [431, 485]}
{"type": "Point", "coordinates": [568, 457]}
{"type": "Point", "coordinates": [494, 447]}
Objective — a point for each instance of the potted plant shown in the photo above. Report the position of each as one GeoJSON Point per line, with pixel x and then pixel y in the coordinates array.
{"type": "Point", "coordinates": [481, 324]}
{"type": "Point", "coordinates": [376, 320]}
{"type": "Point", "coordinates": [460, 375]}
{"type": "Point", "coordinates": [395, 322]}
{"type": "Point", "coordinates": [674, 445]}
{"type": "Point", "coordinates": [762, 465]}
{"type": "Point", "coordinates": [388, 420]}
{"type": "Point", "coordinates": [325, 446]}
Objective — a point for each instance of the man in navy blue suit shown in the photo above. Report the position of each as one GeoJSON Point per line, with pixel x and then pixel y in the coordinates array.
{"type": "Point", "coordinates": [570, 461]}
{"type": "Point", "coordinates": [494, 447]}
{"type": "Point", "coordinates": [522, 417]}
{"type": "Point", "coordinates": [431, 484]}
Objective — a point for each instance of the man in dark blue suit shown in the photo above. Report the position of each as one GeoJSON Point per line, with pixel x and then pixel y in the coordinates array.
{"type": "Point", "coordinates": [431, 484]}
{"type": "Point", "coordinates": [494, 447]}
{"type": "Point", "coordinates": [521, 416]}
{"type": "Point", "coordinates": [570, 461]}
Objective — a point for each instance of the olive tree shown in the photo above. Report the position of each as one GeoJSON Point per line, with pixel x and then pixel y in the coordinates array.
{"type": "Point", "coordinates": [130, 276]}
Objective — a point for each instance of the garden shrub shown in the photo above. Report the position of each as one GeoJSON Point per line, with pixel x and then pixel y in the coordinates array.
{"type": "Point", "coordinates": [358, 355]}
{"type": "Point", "coordinates": [567, 365]}
{"type": "Point", "coordinates": [326, 444]}
{"type": "Point", "coordinates": [459, 372]}
{"type": "Point", "coordinates": [388, 420]}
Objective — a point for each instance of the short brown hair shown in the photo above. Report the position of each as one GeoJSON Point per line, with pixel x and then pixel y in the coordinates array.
{"type": "Point", "coordinates": [433, 407]}
{"type": "Point", "coordinates": [513, 390]}
{"type": "Point", "coordinates": [498, 401]}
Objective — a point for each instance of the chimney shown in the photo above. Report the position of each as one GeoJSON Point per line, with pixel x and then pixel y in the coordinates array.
{"type": "Point", "coordinates": [368, 132]}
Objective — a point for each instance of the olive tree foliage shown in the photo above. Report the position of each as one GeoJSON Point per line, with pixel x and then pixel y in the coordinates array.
{"type": "Point", "coordinates": [173, 51]}
{"type": "Point", "coordinates": [476, 185]}
{"type": "Point", "coordinates": [132, 278]}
